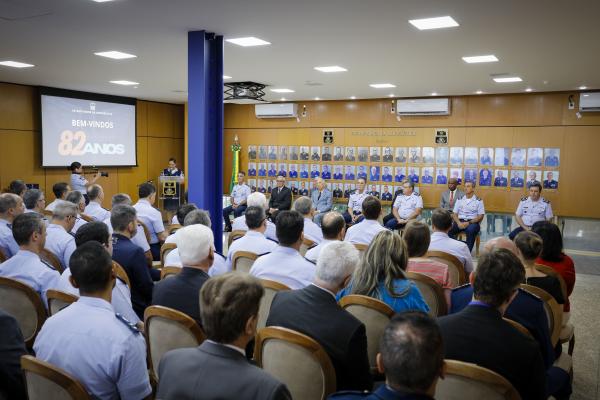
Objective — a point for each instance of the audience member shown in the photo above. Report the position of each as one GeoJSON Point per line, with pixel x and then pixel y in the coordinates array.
{"type": "Point", "coordinates": [312, 231]}
{"type": "Point", "coordinates": [26, 266]}
{"type": "Point", "coordinates": [314, 312]}
{"type": "Point", "coordinates": [364, 232]}
{"type": "Point", "coordinates": [196, 251]}
{"type": "Point", "coordinates": [381, 275]}
{"type": "Point", "coordinates": [333, 228]}
{"type": "Point", "coordinates": [411, 355]}
{"type": "Point", "coordinates": [77, 198]}
{"type": "Point", "coordinates": [11, 206]}
{"type": "Point", "coordinates": [218, 368]}
{"type": "Point", "coordinates": [254, 240]}
{"type": "Point", "coordinates": [60, 190]}
{"type": "Point", "coordinates": [322, 200]}
{"type": "Point", "coordinates": [35, 202]}
{"type": "Point", "coordinates": [17, 187]}
{"type": "Point", "coordinates": [151, 217]}
{"type": "Point", "coordinates": [12, 347]}
{"type": "Point", "coordinates": [256, 199]}
{"type": "Point", "coordinates": [285, 264]}
{"type": "Point", "coordinates": [441, 223]}
{"type": "Point", "coordinates": [102, 350]}
{"type": "Point", "coordinates": [58, 241]}
{"type": "Point", "coordinates": [182, 212]}
{"type": "Point", "coordinates": [94, 208]}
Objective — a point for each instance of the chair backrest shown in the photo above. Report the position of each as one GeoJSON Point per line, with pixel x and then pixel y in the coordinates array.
{"type": "Point", "coordinates": [432, 293]}
{"type": "Point", "coordinates": [51, 259]}
{"type": "Point", "coordinates": [86, 218]}
{"type": "Point", "coordinates": [146, 230]}
{"type": "Point", "coordinates": [469, 381]}
{"type": "Point", "coordinates": [48, 213]}
{"type": "Point", "coordinates": [553, 310]}
{"type": "Point", "coordinates": [57, 300]}
{"type": "Point", "coordinates": [375, 314]}
{"type": "Point", "coordinates": [164, 250]}
{"type": "Point", "coordinates": [242, 261]}
{"type": "Point", "coordinates": [2, 256]}
{"type": "Point", "coordinates": [167, 329]}
{"type": "Point", "coordinates": [173, 228]}
{"type": "Point", "coordinates": [306, 244]}
{"type": "Point", "coordinates": [121, 273]}
{"type": "Point", "coordinates": [361, 247]}
{"type": "Point", "coordinates": [169, 272]}
{"type": "Point", "coordinates": [271, 289]}
{"type": "Point", "coordinates": [552, 272]}
{"type": "Point", "coordinates": [296, 360]}
{"type": "Point", "coordinates": [47, 382]}
{"type": "Point", "coordinates": [519, 327]}
{"type": "Point", "coordinates": [25, 304]}
{"type": "Point", "coordinates": [233, 235]}
{"type": "Point", "coordinates": [456, 269]}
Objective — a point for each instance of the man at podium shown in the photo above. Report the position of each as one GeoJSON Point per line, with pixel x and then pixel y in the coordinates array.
{"type": "Point", "coordinates": [172, 170]}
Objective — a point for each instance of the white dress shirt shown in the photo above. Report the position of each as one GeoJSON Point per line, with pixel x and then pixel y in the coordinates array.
{"type": "Point", "coordinates": [440, 241]}
{"type": "Point", "coordinates": [285, 265]}
{"type": "Point", "coordinates": [151, 217]}
{"type": "Point", "coordinates": [60, 243]}
{"type": "Point", "coordinates": [239, 224]}
{"type": "Point", "coordinates": [50, 207]}
{"type": "Point", "coordinates": [312, 231]}
{"type": "Point", "coordinates": [407, 205]}
{"type": "Point", "coordinates": [533, 211]}
{"type": "Point", "coordinates": [313, 253]}
{"type": "Point", "coordinates": [254, 242]}
{"type": "Point", "coordinates": [469, 208]}
{"type": "Point", "coordinates": [363, 232]}
{"type": "Point", "coordinates": [96, 211]}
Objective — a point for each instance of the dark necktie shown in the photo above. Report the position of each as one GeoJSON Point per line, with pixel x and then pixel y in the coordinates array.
{"type": "Point", "coordinates": [319, 198]}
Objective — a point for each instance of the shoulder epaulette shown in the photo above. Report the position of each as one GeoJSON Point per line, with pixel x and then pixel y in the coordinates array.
{"type": "Point", "coordinates": [310, 261]}
{"type": "Point", "coordinates": [545, 201]}
{"type": "Point", "coordinates": [263, 254]}
{"type": "Point", "coordinates": [47, 264]}
{"type": "Point", "coordinates": [477, 198]}
{"type": "Point", "coordinates": [524, 198]}
{"type": "Point", "coordinates": [122, 280]}
{"type": "Point", "coordinates": [216, 252]}
{"type": "Point", "coordinates": [127, 323]}
{"type": "Point", "coordinates": [272, 240]}
{"type": "Point", "coordinates": [466, 285]}
{"type": "Point", "coordinates": [416, 193]}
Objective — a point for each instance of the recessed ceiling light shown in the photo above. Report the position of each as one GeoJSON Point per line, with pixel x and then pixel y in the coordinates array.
{"type": "Point", "coordinates": [125, 83]}
{"type": "Point", "coordinates": [248, 41]}
{"type": "Point", "coordinates": [391, 95]}
{"type": "Point", "coordinates": [434, 23]}
{"type": "Point", "coordinates": [580, 87]}
{"type": "Point", "coordinates": [226, 77]}
{"type": "Point", "coordinates": [586, 95]}
{"type": "Point", "coordinates": [15, 64]}
{"type": "Point", "coordinates": [317, 98]}
{"type": "Point", "coordinates": [382, 85]}
{"type": "Point", "coordinates": [101, 1]}
{"type": "Point", "coordinates": [480, 59]}
{"type": "Point", "coordinates": [434, 93]}
{"type": "Point", "coordinates": [508, 79]}
{"type": "Point", "coordinates": [282, 90]}
{"type": "Point", "coordinates": [332, 68]}
{"type": "Point", "coordinates": [352, 97]}
{"type": "Point", "coordinates": [529, 89]}
{"type": "Point", "coordinates": [479, 92]}
{"type": "Point", "coordinates": [114, 54]}
{"type": "Point", "coordinates": [282, 99]}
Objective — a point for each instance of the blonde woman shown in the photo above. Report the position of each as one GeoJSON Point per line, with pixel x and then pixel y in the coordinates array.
{"type": "Point", "coordinates": [381, 275]}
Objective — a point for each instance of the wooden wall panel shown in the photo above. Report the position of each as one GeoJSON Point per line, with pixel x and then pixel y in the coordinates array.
{"type": "Point", "coordinates": [178, 122]}
{"type": "Point", "coordinates": [141, 118]}
{"type": "Point", "coordinates": [159, 152]}
{"type": "Point", "coordinates": [514, 110]}
{"type": "Point", "coordinates": [160, 120]}
{"type": "Point", "coordinates": [19, 107]}
{"type": "Point", "coordinates": [20, 158]}
{"type": "Point", "coordinates": [131, 177]}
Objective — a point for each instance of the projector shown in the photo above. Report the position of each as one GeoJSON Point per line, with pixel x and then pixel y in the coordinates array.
{"type": "Point", "coordinates": [244, 93]}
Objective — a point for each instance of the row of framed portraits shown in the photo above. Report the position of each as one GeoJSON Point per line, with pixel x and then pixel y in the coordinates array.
{"type": "Point", "coordinates": [339, 190]}
{"type": "Point", "coordinates": [429, 175]}
{"type": "Point", "coordinates": [496, 156]}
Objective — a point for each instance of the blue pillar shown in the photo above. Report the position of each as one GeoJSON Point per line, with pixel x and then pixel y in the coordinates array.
{"type": "Point", "coordinates": [205, 126]}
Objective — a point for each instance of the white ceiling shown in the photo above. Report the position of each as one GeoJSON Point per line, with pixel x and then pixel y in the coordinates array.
{"type": "Point", "coordinates": [552, 44]}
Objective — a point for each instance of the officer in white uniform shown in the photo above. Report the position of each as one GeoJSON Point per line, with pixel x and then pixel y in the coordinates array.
{"type": "Point", "coordinates": [94, 208]}
{"type": "Point", "coordinates": [59, 241]}
{"type": "Point", "coordinates": [354, 212]}
{"type": "Point", "coordinates": [151, 217]}
{"type": "Point", "coordinates": [312, 231]}
{"type": "Point", "coordinates": [26, 266]}
{"type": "Point", "coordinates": [364, 232]}
{"type": "Point", "coordinates": [106, 353]}
{"type": "Point", "coordinates": [11, 206]}
{"type": "Point", "coordinates": [467, 214]}
{"type": "Point", "coordinates": [259, 200]}
{"type": "Point", "coordinates": [285, 264]}
{"type": "Point", "coordinates": [407, 206]}
{"type": "Point", "coordinates": [239, 196]}
{"type": "Point", "coordinates": [531, 210]}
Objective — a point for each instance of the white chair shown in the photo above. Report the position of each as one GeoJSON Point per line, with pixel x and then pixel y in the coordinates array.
{"type": "Point", "coordinates": [47, 382]}
{"type": "Point", "coordinates": [271, 289]}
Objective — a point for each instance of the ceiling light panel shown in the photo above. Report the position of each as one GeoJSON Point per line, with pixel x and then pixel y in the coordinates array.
{"type": "Point", "coordinates": [434, 23]}
{"type": "Point", "coordinates": [16, 64]}
{"type": "Point", "coordinates": [480, 59]}
{"type": "Point", "coordinates": [332, 68]}
{"type": "Point", "coordinates": [282, 90]}
{"type": "Point", "coordinates": [125, 83]}
{"type": "Point", "coordinates": [508, 79]}
{"type": "Point", "coordinates": [248, 41]}
{"type": "Point", "coordinates": [115, 55]}
{"type": "Point", "coordinates": [382, 85]}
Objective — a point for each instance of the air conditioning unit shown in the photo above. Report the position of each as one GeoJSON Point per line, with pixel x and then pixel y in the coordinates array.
{"type": "Point", "coordinates": [436, 106]}
{"type": "Point", "coordinates": [276, 110]}
{"type": "Point", "coordinates": [589, 102]}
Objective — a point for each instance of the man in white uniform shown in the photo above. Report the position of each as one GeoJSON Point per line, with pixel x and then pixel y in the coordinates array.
{"type": "Point", "coordinates": [354, 213]}
{"type": "Point", "coordinates": [239, 195]}
{"type": "Point", "coordinates": [441, 223]}
{"type": "Point", "coordinates": [531, 210]}
{"type": "Point", "coordinates": [94, 208]}
{"type": "Point", "coordinates": [151, 217]}
{"type": "Point", "coordinates": [407, 206]}
{"type": "Point", "coordinates": [467, 214]}
{"type": "Point", "coordinates": [364, 232]}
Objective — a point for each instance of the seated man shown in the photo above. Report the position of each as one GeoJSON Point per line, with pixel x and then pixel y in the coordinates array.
{"type": "Point", "coordinates": [441, 223]}
{"type": "Point", "coordinates": [285, 264]}
{"type": "Point", "coordinates": [58, 241]}
{"type": "Point", "coordinates": [182, 212]}
{"type": "Point", "coordinates": [314, 312]}
{"type": "Point", "coordinates": [353, 214]}
{"type": "Point", "coordinates": [60, 190]}
{"type": "Point", "coordinates": [407, 206]}
{"type": "Point", "coordinates": [364, 232]}
{"type": "Point", "coordinates": [256, 200]}
{"type": "Point", "coordinates": [322, 200]}
{"type": "Point", "coordinates": [26, 266]}
{"type": "Point", "coordinates": [239, 194]}
{"type": "Point", "coordinates": [311, 230]}
{"type": "Point", "coordinates": [94, 208]}
{"type": "Point", "coordinates": [531, 210]}
{"type": "Point", "coordinates": [281, 198]}
{"type": "Point", "coordinates": [11, 206]}
{"type": "Point", "coordinates": [254, 240]}
{"type": "Point", "coordinates": [106, 353]}
{"type": "Point", "coordinates": [196, 250]}
{"type": "Point", "coordinates": [151, 217]}
{"type": "Point", "coordinates": [411, 356]}
{"type": "Point", "coordinates": [78, 199]}
{"type": "Point", "coordinates": [218, 368]}
{"type": "Point", "coordinates": [450, 196]}
{"type": "Point", "coordinates": [35, 202]}
{"type": "Point", "coordinates": [467, 214]}
{"type": "Point", "coordinates": [479, 335]}
{"type": "Point", "coordinates": [333, 228]}
{"type": "Point", "coordinates": [12, 347]}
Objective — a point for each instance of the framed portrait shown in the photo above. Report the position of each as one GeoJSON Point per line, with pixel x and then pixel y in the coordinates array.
{"type": "Point", "coordinates": [349, 174]}
{"type": "Point", "coordinates": [428, 155]}
{"type": "Point", "coordinates": [533, 176]}
{"type": "Point", "coordinates": [348, 189]}
{"type": "Point", "coordinates": [272, 171]}
{"type": "Point", "coordinates": [270, 185]}
{"type": "Point", "coordinates": [517, 157]}
{"type": "Point", "coordinates": [326, 171]}
{"type": "Point", "coordinates": [485, 177]}
{"type": "Point", "coordinates": [399, 174]}
{"type": "Point", "coordinates": [363, 154]}
{"type": "Point", "coordinates": [283, 152]}
{"type": "Point", "coordinates": [471, 174]}
{"type": "Point", "coordinates": [326, 153]}
{"type": "Point", "coordinates": [414, 155]}
{"type": "Point", "coordinates": [350, 153]}
{"type": "Point", "coordinates": [398, 189]}
{"type": "Point", "coordinates": [338, 190]}
{"type": "Point", "coordinates": [374, 190]}
{"type": "Point", "coordinates": [304, 174]}
{"type": "Point", "coordinates": [414, 174]}
{"type": "Point", "coordinates": [338, 172]}
{"type": "Point", "coordinates": [252, 184]}
{"type": "Point", "coordinates": [441, 177]}
{"type": "Point", "coordinates": [338, 153]}
{"type": "Point", "coordinates": [293, 171]}
{"type": "Point", "coordinates": [471, 155]}
{"type": "Point", "coordinates": [486, 156]}
{"type": "Point", "coordinates": [534, 157]}
{"type": "Point", "coordinates": [456, 173]}
{"type": "Point", "coordinates": [517, 178]}
{"type": "Point", "coordinates": [262, 169]}
{"type": "Point", "coordinates": [252, 169]}
{"type": "Point", "coordinates": [303, 189]}
{"type": "Point", "coordinates": [552, 157]}
{"type": "Point", "coordinates": [293, 185]}
{"type": "Point", "coordinates": [388, 154]}
{"type": "Point", "coordinates": [252, 152]}
{"type": "Point", "coordinates": [272, 152]}
{"type": "Point", "coordinates": [441, 155]}
{"type": "Point", "coordinates": [282, 170]}
{"type": "Point", "coordinates": [400, 154]}
{"type": "Point", "coordinates": [456, 155]}
{"type": "Point", "coordinates": [501, 178]}
{"type": "Point", "coordinates": [550, 180]}
{"type": "Point", "coordinates": [262, 152]}
{"type": "Point", "coordinates": [361, 172]}
{"type": "Point", "coordinates": [374, 173]}
{"type": "Point", "coordinates": [293, 153]}
{"type": "Point", "coordinates": [427, 175]}
{"type": "Point", "coordinates": [262, 186]}
{"type": "Point", "coordinates": [315, 171]}
{"type": "Point", "coordinates": [386, 192]}
{"type": "Point", "coordinates": [375, 154]}
{"type": "Point", "coordinates": [386, 173]}
{"type": "Point", "coordinates": [315, 153]}
{"type": "Point", "coordinates": [304, 153]}
{"type": "Point", "coordinates": [502, 156]}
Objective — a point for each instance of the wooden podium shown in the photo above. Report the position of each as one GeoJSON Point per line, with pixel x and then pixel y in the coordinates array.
{"type": "Point", "coordinates": [170, 192]}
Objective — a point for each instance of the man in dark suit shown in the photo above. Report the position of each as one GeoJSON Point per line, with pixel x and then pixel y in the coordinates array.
{"type": "Point", "coordinates": [12, 347]}
{"type": "Point", "coordinates": [195, 246]}
{"type": "Point", "coordinates": [218, 368]}
{"type": "Point", "coordinates": [281, 198]}
{"type": "Point", "coordinates": [479, 335]}
{"type": "Point", "coordinates": [314, 312]}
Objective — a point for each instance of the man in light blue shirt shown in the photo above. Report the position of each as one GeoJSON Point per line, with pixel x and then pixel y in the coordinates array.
{"type": "Point", "coordinates": [26, 266]}
{"type": "Point", "coordinates": [100, 348]}
{"type": "Point", "coordinates": [94, 208]}
{"type": "Point", "coordinates": [78, 199]}
{"type": "Point", "coordinates": [364, 232]}
{"type": "Point", "coordinates": [239, 195]}
{"type": "Point", "coordinates": [59, 241]}
{"type": "Point", "coordinates": [312, 231]}
{"type": "Point", "coordinates": [11, 206]}
{"type": "Point", "coordinates": [35, 202]}
{"type": "Point", "coordinates": [333, 228]}
{"type": "Point", "coordinates": [151, 217]}
{"type": "Point", "coordinates": [322, 200]}
{"type": "Point", "coordinates": [354, 212]}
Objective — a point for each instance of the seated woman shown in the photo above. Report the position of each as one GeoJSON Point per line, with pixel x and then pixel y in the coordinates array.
{"type": "Point", "coordinates": [530, 247]}
{"type": "Point", "coordinates": [553, 257]}
{"type": "Point", "coordinates": [381, 275]}
{"type": "Point", "coordinates": [417, 238]}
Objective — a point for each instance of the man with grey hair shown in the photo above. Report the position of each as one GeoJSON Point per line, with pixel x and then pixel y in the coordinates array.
{"type": "Point", "coordinates": [333, 228]}
{"type": "Point", "coordinates": [315, 312]}
{"type": "Point", "coordinates": [196, 250]}
{"type": "Point", "coordinates": [322, 200]}
{"type": "Point", "coordinates": [311, 230]}
{"type": "Point", "coordinates": [58, 240]}
{"type": "Point", "coordinates": [35, 202]}
{"type": "Point", "coordinates": [11, 206]}
{"type": "Point", "coordinates": [256, 199]}
{"type": "Point", "coordinates": [78, 199]}
{"type": "Point", "coordinates": [94, 208]}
